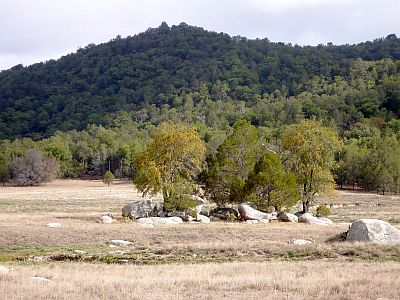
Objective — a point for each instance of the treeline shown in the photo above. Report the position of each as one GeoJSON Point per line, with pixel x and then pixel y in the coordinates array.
{"type": "Point", "coordinates": [192, 75]}
{"type": "Point", "coordinates": [369, 157]}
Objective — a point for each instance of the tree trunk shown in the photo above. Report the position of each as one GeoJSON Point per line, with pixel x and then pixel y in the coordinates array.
{"type": "Point", "coordinates": [305, 207]}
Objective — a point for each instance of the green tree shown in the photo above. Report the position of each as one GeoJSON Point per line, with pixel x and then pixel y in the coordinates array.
{"type": "Point", "coordinates": [108, 178]}
{"type": "Point", "coordinates": [229, 168]}
{"type": "Point", "coordinates": [4, 172]}
{"type": "Point", "coordinates": [269, 185]}
{"type": "Point", "coordinates": [311, 149]}
{"type": "Point", "coordinates": [170, 164]}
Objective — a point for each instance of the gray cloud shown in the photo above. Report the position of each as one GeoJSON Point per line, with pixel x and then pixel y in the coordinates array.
{"type": "Point", "coordinates": [33, 31]}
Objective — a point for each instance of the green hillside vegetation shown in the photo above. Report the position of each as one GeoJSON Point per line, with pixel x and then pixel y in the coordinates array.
{"type": "Point", "coordinates": [104, 107]}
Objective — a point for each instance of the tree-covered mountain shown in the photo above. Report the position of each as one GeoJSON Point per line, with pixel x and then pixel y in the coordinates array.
{"type": "Point", "coordinates": [185, 73]}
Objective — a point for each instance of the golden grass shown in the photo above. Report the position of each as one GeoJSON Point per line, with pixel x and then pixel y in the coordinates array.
{"type": "Point", "coordinates": [266, 280]}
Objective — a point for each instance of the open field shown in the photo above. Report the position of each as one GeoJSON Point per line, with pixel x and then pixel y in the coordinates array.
{"type": "Point", "coordinates": [217, 260]}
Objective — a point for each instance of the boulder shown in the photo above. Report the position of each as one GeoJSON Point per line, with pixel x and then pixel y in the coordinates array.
{"type": "Point", "coordinates": [287, 217]}
{"type": "Point", "coordinates": [159, 220]}
{"type": "Point", "coordinates": [264, 221]}
{"type": "Point", "coordinates": [310, 219]}
{"type": "Point", "coordinates": [326, 220]}
{"type": "Point", "coordinates": [248, 213]}
{"type": "Point", "coordinates": [300, 242]}
{"type": "Point", "coordinates": [225, 213]}
{"type": "Point", "coordinates": [252, 221]}
{"type": "Point", "coordinates": [106, 219]}
{"type": "Point", "coordinates": [139, 209]}
{"type": "Point", "coordinates": [199, 204]}
{"type": "Point", "coordinates": [373, 230]}
{"type": "Point", "coordinates": [119, 243]}
{"type": "Point", "coordinates": [203, 219]}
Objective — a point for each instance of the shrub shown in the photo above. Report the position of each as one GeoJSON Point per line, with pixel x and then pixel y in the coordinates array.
{"type": "Point", "coordinates": [323, 211]}
{"type": "Point", "coordinates": [108, 178]}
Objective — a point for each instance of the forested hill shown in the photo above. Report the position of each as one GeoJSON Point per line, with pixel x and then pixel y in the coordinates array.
{"type": "Point", "coordinates": [187, 73]}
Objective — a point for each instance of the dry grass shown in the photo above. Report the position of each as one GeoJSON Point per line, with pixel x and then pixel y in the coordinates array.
{"type": "Point", "coordinates": [267, 280]}
{"type": "Point", "coordinates": [254, 260]}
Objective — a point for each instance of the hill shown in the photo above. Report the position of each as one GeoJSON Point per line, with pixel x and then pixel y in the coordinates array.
{"type": "Point", "coordinates": [187, 73]}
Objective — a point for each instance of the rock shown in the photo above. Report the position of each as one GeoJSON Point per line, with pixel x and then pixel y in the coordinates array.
{"type": "Point", "coordinates": [119, 243]}
{"type": "Point", "coordinates": [287, 217]}
{"type": "Point", "coordinates": [199, 204]}
{"type": "Point", "coordinates": [159, 220]}
{"type": "Point", "coordinates": [106, 219]}
{"type": "Point", "coordinates": [273, 215]}
{"type": "Point", "coordinates": [203, 219]}
{"type": "Point", "coordinates": [264, 221]}
{"type": "Point", "coordinates": [80, 252]}
{"type": "Point", "coordinates": [251, 221]}
{"type": "Point", "coordinates": [179, 214]}
{"type": "Point", "coordinates": [53, 225]}
{"type": "Point", "coordinates": [310, 219]}
{"type": "Point", "coordinates": [158, 210]}
{"type": "Point", "coordinates": [248, 213]}
{"type": "Point", "coordinates": [326, 220]}
{"type": "Point", "coordinates": [139, 209]}
{"type": "Point", "coordinates": [300, 242]}
{"type": "Point", "coordinates": [187, 218]}
{"type": "Point", "coordinates": [225, 213]}
{"type": "Point", "coordinates": [373, 230]}
{"type": "Point", "coordinates": [4, 270]}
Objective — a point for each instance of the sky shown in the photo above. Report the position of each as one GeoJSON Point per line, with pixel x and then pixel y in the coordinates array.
{"type": "Point", "coordinates": [32, 31]}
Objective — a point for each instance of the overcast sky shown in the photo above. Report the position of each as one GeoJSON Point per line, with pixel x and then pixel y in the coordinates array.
{"type": "Point", "coordinates": [37, 30]}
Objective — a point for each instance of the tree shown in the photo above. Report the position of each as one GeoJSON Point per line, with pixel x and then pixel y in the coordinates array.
{"type": "Point", "coordinates": [229, 168]}
{"type": "Point", "coordinates": [33, 168]}
{"type": "Point", "coordinates": [4, 172]}
{"type": "Point", "coordinates": [269, 185]}
{"type": "Point", "coordinates": [108, 178]}
{"type": "Point", "coordinates": [311, 149]}
{"type": "Point", "coordinates": [170, 165]}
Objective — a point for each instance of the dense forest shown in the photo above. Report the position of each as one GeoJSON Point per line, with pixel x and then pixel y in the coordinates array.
{"type": "Point", "coordinates": [93, 110]}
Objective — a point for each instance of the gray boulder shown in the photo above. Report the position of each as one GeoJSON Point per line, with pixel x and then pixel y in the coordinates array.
{"type": "Point", "coordinates": [287, 217]}
{"type": "Point", "coordinates": [139, 209]}
{"type": "Point", "coordinates": [326, 220]}
{"type": "Point", "coordinates": [203, 219]}
{"type": "Point", "coordinates": [225, 213]}
{"type": "Point", "coordinates": [373, 230]}
{"type": "Point", "coordinates": [106, 219]}
{"type": "Point", "coordinates": [310, 219]}
{"type": "Point", "coordinates": [248, 213]}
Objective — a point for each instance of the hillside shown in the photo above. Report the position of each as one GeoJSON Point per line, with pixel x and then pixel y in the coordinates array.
{"type": "Point", "coordinates": [187, 73]}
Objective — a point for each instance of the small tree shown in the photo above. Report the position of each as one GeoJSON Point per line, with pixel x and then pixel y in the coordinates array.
{"type": "Point", "coordinates": [269, 185]}
{"type": "Point", "coordinates": [108, 178]}
{"type": "Point", "coordinates": [170, 165]}
{"type": "Point", "coordinates": [4, 173]}
{"type": "Point", "coordinates": [311, 150]}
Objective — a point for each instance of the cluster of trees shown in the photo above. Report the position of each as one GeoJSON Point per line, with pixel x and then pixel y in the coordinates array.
{"type": "Point", "coordinates": [242, 169]}
{"type": "Point", "coordinates": [187, 73]}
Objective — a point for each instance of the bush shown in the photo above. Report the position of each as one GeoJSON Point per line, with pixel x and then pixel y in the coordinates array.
{"type": "Point", "coordinates": [323, 211]}
{"type": "Point", "coordinates": [108, 178]}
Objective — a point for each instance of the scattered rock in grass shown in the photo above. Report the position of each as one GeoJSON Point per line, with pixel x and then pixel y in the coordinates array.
{"type": "Point", "coordinates": [373, 230]}
{"type": "Point", "coordinates": [4, 270]}
{"type": "Point", "coordinates": [300, 242]}
{"type": "Point", "coordinates": [159, 220]}
{"type": "Point", "coordinates": [53, 225]}
{"type": "Point", "coordinates": [106, 219]}
{"type": "Point", "coordinates": [251, 221]}
{"type": "Point", "coordinates": [310, 219]}
{"type": "Point", "coordinates": [248, 213]}
{"type": "Point", "coordinates": [203, 219]}
{"type": "Point", "coordinates": [119, 243]}
{"type": "Point", "coordinates": [287, 217]}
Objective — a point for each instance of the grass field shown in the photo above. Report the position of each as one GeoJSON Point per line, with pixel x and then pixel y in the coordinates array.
{"type": "Point", "coordinates": [205, 261]}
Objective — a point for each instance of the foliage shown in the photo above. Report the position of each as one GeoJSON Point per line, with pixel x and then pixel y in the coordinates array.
{"type": "Point", "coordinates": [311, 149]}
{"type": "Point", "coordinates": [229, 168]}
{"type": "Point", "coordinates": [323, 211]}
{"type": "Point", "coordinates": [4, 172]}
{"type": "Point", "coordinates": [33, 168]}
{"type": "Point", "coordinates": [170, 164]}
{"type": "Point", "coordinates": [108, 177]}
{"type": "Point", "coordinates": [268, 185]}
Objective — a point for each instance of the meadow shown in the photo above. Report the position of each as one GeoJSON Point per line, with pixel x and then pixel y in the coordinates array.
{"type": "Point", "coordinates": [203, 261]}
